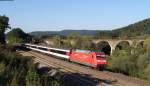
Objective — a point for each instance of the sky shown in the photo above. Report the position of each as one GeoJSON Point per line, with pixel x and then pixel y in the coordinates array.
{"type": "Point", "coordinates": [56, 15]}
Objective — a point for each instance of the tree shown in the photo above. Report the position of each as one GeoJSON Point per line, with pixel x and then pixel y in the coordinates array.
{"type": "Point", "coordinates": [86, 43]}
{"type": "Point", "coordinates": [73, 36]}
{"type": "Point", "coordinates": [146, 45]}
{"type": "Point", "coordinates": [57, 41]}
{"type": "Point", "coordinates": [104, 34]}
{"type": "Point", "coordinates": [16, 35]}
{"type": "Point", "coordinates": [3, 27]}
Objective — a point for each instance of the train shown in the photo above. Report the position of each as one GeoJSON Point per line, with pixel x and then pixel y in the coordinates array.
{"type": "Point", "coordinates": [96, 60]}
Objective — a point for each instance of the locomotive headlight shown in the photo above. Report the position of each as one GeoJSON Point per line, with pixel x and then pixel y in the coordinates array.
{"type": "Point", "coordinates": [101, 60]}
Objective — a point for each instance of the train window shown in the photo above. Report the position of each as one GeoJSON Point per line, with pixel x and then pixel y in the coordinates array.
{"type": "Point", "coordinates": [41, 48]}
{"type": "Point", "coordinates": [83, 51]}
{"type": "Point", "coordinates": [33, 46]}
{"type": "Point", "coordinates": [57, 51]}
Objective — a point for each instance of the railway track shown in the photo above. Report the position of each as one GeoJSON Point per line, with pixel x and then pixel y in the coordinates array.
{"type": "Point", "coordinates": [71, 73]}
{"type": "Point", "coordinates": [83, 82]}
{"type": "Point", "coordinates": [87, 75]}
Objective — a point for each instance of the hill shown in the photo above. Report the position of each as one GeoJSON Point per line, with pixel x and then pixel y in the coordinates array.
{"type": "Point", "coordinates": [64, 32]}
{"type": "Point", "coordinates": [140, 29]}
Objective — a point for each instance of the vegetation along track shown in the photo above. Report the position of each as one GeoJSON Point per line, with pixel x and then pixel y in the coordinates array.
{"type": "Point", "coordinates": [90, 75]}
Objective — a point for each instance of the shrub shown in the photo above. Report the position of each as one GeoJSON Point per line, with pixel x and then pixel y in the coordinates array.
{"type": "Point", "coordinates": [18, 70]}
{"type": "Point", "coordinates": [146, 73]}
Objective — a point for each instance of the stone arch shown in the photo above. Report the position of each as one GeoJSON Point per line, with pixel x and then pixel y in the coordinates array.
{"type": "Point", "coordinates": [122, 44]}
{"type": "Point", "coordinates": [104, 46]}
{"type": "Point", "coordinates": [140, 43]}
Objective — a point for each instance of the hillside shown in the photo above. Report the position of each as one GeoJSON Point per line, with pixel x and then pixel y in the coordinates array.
{"type": "Point", "coordinates": [140, 29]}
{"type": "Point", "coordinates": [64, 32]}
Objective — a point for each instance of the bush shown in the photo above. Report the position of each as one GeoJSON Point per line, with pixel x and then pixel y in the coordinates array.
{"type": "Point", "coordinates": [146, 73]}
{"type": "Point", "coordinates": [18, 70]}
{"type": "Point", "coordinates": [120, 62]}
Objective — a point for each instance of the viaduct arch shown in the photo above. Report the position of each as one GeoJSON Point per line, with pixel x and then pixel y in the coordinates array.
{"type": "Point", "coordinates": [114, 42]}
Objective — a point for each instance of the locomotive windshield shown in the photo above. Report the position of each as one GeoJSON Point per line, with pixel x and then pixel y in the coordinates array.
{"type": "Point", "coordinates": [100, 55]}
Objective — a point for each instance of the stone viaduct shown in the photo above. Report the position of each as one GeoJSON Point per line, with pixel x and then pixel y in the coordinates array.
{"type": "Point", "coordinates": [111, 42]}
{"type": "Point", "coordinates": [114, 42]}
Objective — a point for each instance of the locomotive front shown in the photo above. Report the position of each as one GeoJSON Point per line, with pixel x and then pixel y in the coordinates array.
{"type": "Point", "coordinates": [101, 60]}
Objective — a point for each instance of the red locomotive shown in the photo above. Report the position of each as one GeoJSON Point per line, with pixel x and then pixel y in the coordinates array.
{"type": "Point", "coordinates": [93, 59]}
